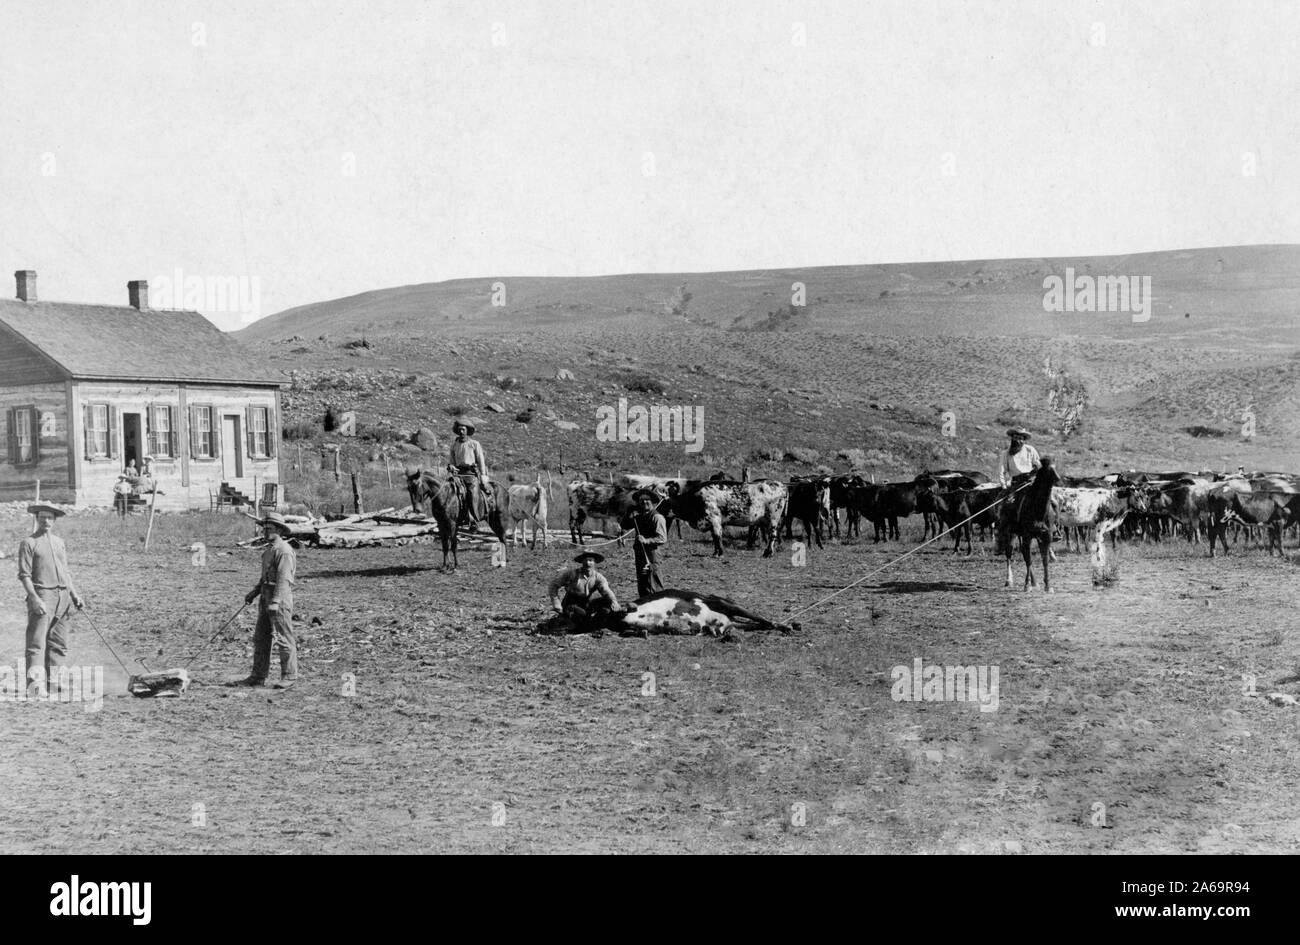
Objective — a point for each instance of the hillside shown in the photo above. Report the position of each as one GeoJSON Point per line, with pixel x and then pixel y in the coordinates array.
{"type": "Point", "coordinates": [879, 359]}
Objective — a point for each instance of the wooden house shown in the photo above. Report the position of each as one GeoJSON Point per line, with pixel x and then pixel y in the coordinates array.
{"type": "Point", "coordinates": [86, 388]}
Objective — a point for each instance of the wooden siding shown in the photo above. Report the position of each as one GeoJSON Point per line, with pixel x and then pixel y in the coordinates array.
{"type": "Point", "coordinates": [21, 363]}
{"type": "Point", "coordinates": [185, 480]}
{"type": "Point", "coordinates": [51, 467]}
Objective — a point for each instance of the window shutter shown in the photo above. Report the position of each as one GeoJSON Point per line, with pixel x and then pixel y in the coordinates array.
{"type": "Point", "coordinates": [87, 440]}
{"type": "Point", "coordinates": [172, 434]}
{"type": "Point", "coordinates": [12, 428]}
{"type": "Point", "coordinates": [215, 423]}
{"type": "Point", "coordinates": [194, 432]}
{"type": "Point", "coordinates": [148, 430]}
{"type": "Point", "coordinates": [36, 434]}
{"type": "Point", "coordinates": [112, 432]}
{"type": "Point", "coordinates": [249, 435]}
{"type": "Point", "coordinates": [272, 431]}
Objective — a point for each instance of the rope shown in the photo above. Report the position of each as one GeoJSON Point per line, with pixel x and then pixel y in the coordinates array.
{"type": "Point", "coordinates": [622, 537]}
{"type": "Point", "coordinates": [104, 640]}
{"type": "Point", "coordinates": [889, 564]}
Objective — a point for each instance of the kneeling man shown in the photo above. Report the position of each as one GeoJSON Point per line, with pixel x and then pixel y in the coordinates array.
{"type": "Point", "coordinates": [582, 593]}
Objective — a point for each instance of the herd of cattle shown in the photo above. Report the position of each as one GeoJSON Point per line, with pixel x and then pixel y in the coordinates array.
{"type": "Point", "coordinates": [1144, 506]}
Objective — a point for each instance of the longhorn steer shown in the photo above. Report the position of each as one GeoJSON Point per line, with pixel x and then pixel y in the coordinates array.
{"type": "Point", "coordinates": [716, 503]}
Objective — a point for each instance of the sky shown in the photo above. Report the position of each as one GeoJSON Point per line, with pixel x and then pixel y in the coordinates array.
{"type": "Point", "coordinates": [265, 155]}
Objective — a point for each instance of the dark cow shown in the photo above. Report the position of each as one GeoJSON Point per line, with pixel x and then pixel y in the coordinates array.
{"type": "Point", "coordinates": [893, 501]}
{"type": "Point", "coordinates": [943, 481]}
{"type": "Point", "coordinates": [949, 507]}
{"type": "Point", "coordinates": [810, 503]}
{"type": "Point", "coordinates": [716, 503]}
{"type": "Point", "coordinates": [841, 497]}
{"type": "Point", "coordinates": [599, 500]}
{"type": "Point", "coordinates": [1262, 505]}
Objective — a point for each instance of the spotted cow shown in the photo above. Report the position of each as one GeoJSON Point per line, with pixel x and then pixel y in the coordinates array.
{"type": "Point", "coordinates": [714, 504]}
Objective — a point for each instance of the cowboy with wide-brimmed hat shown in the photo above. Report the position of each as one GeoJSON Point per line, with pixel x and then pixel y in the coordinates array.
{"type": "Point", "coordinates": [43, 572]}
{"type": "Point", "coordinates": [275, 610]}
{"type": "Point", "coordinates": [651, 530]}
{"type": "Point", "coordinates": [469, 462]}
{"type": "Point", "coordinates": [1019, 458]}
{"type": "Point", "coordinates": [581, 593]}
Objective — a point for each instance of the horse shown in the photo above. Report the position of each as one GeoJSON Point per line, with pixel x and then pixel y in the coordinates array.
{"type": "Point", "coordinates": [449, 507]}
{"type": "Point", "coordinates": [1028, 513]}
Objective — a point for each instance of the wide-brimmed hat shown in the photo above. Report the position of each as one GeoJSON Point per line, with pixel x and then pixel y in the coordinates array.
{"type": "Point", "coordinates": [274, 518]}
{"type": "Point", "coordinates": [595, 556]}
{"type": "Point", "coordinates": [40, 507]}
{"type": "Point", "coordinates": [466, 422]}
{"type": "Point", "coordinates": [647, 494]}
{"type": "Point", "coordinates": [1019, 433]}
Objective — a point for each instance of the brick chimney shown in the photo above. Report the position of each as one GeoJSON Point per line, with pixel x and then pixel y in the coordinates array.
{"type": "Point", "coordinates": [138, 290]}
{"type": "Point", "coordinates": [26, 284]}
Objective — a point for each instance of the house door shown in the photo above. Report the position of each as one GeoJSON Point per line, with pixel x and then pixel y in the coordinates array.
{"type": "Point", "coordinates": [132, 441]}
{"type": "Point", "coordinates": [232, 457]}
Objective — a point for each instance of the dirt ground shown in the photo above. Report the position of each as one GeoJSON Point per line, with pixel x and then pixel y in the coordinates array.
{"type": "Point", "coordinates": [1122, 724]}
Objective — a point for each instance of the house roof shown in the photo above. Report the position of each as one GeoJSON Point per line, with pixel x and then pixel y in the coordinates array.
{"type": "Point", "coordinates": [109, 341]}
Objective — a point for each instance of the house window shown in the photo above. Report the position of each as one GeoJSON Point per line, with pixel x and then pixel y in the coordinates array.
{"type": "Point", "coordinates": [160, 432]}
{"type": "Point", "coordinates": [97, 430]}
{"type": "Point", "coordinates": [23, 443]}
{"type": "Point", "coordinates": [203, 447]}
{"type": "Point", "coordinates": [261, 446]}
{"type": "Point", "coordinates": [23, 431]}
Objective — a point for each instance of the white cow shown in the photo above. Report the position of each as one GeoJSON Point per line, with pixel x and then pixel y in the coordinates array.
{"type": "Point", "coordinates": [527, 504]}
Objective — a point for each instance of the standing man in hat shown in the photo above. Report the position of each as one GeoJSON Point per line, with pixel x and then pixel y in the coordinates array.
{"type": "Point", "coordinates": [1019, 458]}
{"type": "Point", "coordinates": [581, 593]}
{"type": "Point", "coordinates": [43, 573]}
{"type": "Point", "coordinates": [275, 611]}
{"type": "Point", "coordinates": [470, 464]}
{"type": "Point", "coordinates": [651, 533]}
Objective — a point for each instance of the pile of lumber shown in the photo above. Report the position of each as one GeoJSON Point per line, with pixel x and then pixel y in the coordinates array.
{"type": "Point", "coordinates": [362, 530]}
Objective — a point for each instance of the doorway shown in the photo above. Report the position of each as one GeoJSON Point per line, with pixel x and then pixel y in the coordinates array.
{"type": "Point", "coordinates": [232, 457]}
{"type": "Point", "coordinates": [132, 441]}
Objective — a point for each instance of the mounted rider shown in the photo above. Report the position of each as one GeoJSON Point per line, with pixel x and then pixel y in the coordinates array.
{"type": "Point", "coordinates": [468, 463]}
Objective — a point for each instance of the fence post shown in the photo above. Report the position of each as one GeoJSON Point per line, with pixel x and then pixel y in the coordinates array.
{"type": "Point", "coordinates": [356, 495]}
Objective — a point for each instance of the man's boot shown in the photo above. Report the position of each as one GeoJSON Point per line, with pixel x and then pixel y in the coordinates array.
{"type": "Point", "coordinates": [249, 681]}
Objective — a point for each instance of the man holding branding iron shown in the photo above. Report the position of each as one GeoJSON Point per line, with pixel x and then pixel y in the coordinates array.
{"type": "Point", "coordinates": [43, 573]}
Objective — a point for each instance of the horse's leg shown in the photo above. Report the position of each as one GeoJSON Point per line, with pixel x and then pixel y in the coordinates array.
{"type": "Point", "coordinates": [1044, 546]}
{"type": "Point", "coordinates": [1027, 554]}
{"type": "Point", "coordinates": [1006, 539]}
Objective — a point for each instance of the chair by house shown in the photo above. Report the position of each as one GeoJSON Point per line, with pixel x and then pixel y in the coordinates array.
{"type": "Point", "coordinates": [270, 498]}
